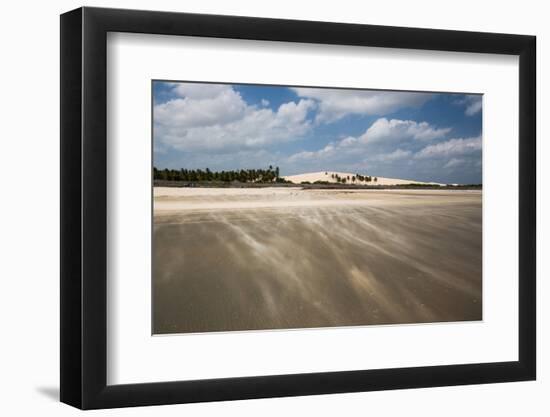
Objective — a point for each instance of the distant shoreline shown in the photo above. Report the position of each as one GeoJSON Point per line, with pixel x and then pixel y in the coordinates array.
{"type": "Point", "coordinates": [332, 186]}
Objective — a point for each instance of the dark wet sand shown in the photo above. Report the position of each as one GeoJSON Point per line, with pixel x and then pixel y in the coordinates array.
{"type": "Point", "coordinates": [394, 257]}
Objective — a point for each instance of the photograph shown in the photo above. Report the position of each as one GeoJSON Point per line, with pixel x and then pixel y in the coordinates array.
{"type": "Point", "coordinates": [280, 204]}
{"type": "Point", "coordinates": [291, 207]}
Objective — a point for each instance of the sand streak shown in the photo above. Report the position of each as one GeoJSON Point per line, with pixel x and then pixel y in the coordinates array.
{"type": "Point", "coordinates": [272, 258]}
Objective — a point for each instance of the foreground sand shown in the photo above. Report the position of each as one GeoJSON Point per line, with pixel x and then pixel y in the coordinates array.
{"type": "Point", "coordinates": [271, 258]}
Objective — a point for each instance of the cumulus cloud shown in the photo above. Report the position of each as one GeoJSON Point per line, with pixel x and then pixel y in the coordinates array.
{"type": "Point", "coordinates": [473, 108]}
{"type": "Point", "coordinates": [200, 90]}
{"type": "Point", "coordinates": [451, 147]}
{"type": "Point", "coordinates": [397, 155]}
{"type": "Point", "coordinates": [216, 117]}
{"type": "Point", "coordinates": [195, 106]}
{"type": "Point", "coordinates": [454, 163]}
{"type": "Point", "coordinates": [394, 129]}
{"type": "Point", "coordinates": [334, 104]}
{"type": "Point", "coordinates": [328, 151]}
{"type": "Point", "coordinates": [385, 134]}
{"type": "Point", "coordinates": [473, 104]}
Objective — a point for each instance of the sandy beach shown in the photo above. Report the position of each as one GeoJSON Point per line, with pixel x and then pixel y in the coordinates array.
{"type": "Point", "coordinates": [277, 258]}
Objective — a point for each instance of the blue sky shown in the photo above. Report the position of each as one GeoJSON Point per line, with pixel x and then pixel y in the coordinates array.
{"type": "Point", "coordinates": [411, 135]}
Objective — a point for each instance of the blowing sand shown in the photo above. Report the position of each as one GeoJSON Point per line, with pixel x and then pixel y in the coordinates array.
{"type": "Point", "coordinates": [277, 258]}
{"type": "Point", "coordinates": [171, 200]}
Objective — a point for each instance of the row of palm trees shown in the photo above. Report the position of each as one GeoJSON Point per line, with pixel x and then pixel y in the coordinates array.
{"type": "Point", "coordinates": [352, 178]}
{"type": "Point", "coordinates": [197, 175]}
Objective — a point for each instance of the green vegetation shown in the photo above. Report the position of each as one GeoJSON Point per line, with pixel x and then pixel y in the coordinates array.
{"type": "Point", "coordinates": [261, 176]}
{"type": "Point", "coordinates": [270, 176]}
{"type": "Point", "coordinates": [355, 179]}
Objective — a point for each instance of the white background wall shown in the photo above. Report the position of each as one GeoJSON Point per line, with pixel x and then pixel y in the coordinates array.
{"type": "Point", "coordinates": [29, 225]}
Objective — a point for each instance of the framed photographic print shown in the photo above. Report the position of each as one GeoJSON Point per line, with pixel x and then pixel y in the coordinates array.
{"type": "Point", "coordinates": [258, 207]}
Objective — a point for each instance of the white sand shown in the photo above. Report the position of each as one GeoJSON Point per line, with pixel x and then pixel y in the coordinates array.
{"type": "Point", "coordinates": [321, 176]}
{"type": "Point", "coordinates": [168, 200]}
{"type": "Point", "coordinates": [211, 191]}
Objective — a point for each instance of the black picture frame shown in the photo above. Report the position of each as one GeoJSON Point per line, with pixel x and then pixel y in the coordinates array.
{"type": "Point", "coordinates": [84, 207]}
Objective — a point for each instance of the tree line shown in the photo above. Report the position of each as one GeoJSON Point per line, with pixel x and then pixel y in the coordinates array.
{"type": "Point", "coordinates": [197, 175]}
{"type": "Point", "coordinates": [353, 178]}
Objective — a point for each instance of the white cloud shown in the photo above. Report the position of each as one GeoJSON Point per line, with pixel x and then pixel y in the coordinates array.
{"type": "Point", "coordinates": [334, 104]}
{"type": "Point", "coordinates": [216, 117]}
{"type": "Point", "coordinates": [200, 90]}
{"type": "Point", "coordinates": [265, 102]}
{"type": "Point", "coordinates": [396, 155]}
{"type": "Point", "coordinates": [394, 130]}
{"type": "Point", "coordinates": [473, 104]}
{"type": "Point", "coordinates": [451, 148]}
{"type": "Point", "coordinates": [215, 105]}
{"type": "Point", "coordinates": [454, 163]}
{"type": "Point", "coordinates": [473, 108]}
{"type": "Point", "coordinates": [386, 134]}
{"type": "Point", "coordinates": [328, 151]}
{"type": "Point", "coordinates": [349, 141]}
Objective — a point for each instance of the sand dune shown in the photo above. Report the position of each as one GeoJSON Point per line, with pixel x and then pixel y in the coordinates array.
{"type": "Point", "coordinates": [327, 176]}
